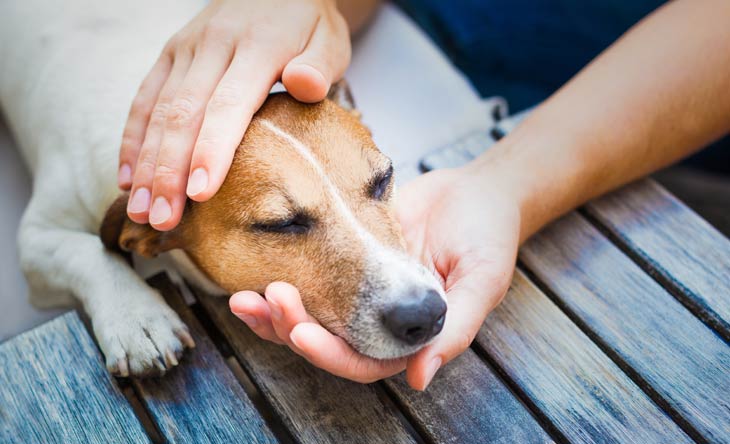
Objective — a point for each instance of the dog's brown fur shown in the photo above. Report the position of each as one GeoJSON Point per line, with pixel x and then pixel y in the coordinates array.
{"type": "Point", "coordinates": [268, 182]}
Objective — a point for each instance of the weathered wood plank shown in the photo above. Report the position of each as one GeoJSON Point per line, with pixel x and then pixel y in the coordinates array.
{"type": "Point", "coordinates": [468, 403]}
{"type": "Point", "coordinates": [314, 405]}
{"type": "Point", "coordinates": [677, 355]}
{"type": "Point", "coordinates": [566, 376]}
{"type": "Point", "coordinates": [689, 256]}
{"type": "Point", "coordinates": [200, 401]}
{"type": "Point", "coordinates": [54, 388]}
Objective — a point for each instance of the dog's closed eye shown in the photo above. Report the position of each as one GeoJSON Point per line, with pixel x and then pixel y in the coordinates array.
{"type": "Point", "coordinates": [298, 223]}
{"type": "Point", "coordinates": [378, 186]}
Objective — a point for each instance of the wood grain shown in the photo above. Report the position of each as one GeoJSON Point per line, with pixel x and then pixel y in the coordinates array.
{"type": "Point", "coordinates": [672, 351]}
{"type": "Point", "coordinates": [678, 247]}
{"type": "Point", "coordinates": [566, 376]}
{"type": "Point", "coordinates": [315, 406]}
{"type": "Point", "coordinates": [468, 403]}
{"type": "Point", "coordinates": [56, 389]}
{"type": "Point", "coordinates": [200, 401]}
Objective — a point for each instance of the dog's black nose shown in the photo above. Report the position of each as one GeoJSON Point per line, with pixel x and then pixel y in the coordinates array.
{"type": "Point", "coordinates": [416, 318]}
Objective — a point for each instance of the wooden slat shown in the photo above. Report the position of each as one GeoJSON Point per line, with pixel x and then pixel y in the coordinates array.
{"type": "Point", "coordinates": [585, 396]}
{"type": "Point", "coordinates": [200, 401]}
{"type": "Point", "coordinates": [672, 351]}
{"type": "Point", "coordinates": [467, 403]}
{"type": "Point", "coordinates": [314, 405]}
{"type": "Point", "coordinates": [677, 246]}
{"type": "Point", "coordinates": [54, 388]}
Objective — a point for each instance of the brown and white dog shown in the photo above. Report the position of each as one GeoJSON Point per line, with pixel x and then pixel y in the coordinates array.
{"type": "Point", "coordinates": [308, 199]}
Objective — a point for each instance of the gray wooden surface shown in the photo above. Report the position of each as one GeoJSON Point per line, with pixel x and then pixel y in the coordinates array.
{"type": "Point", "coordinates": [468, 403]}
{"type": "Point", "coordinates": [584, 395]}
{"type": "Point", "coordinates": [54, 388]}
{"type": "Point", "coordinates": [673, 352]}
{"type": "Point", "coordinates": [200, 401]}
{"type": "Point", "coordinates": [678, 247]}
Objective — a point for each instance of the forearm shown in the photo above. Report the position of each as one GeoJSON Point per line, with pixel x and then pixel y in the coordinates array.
{"type": "Point", "coordinates": [658, 94]}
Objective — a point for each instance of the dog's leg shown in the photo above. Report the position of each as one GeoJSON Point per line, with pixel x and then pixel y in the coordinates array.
{"type": "Point", "coordinates": [137, 331]}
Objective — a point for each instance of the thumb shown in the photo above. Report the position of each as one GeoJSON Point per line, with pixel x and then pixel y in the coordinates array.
{"type": "Point", "coordinates": [309, 75]}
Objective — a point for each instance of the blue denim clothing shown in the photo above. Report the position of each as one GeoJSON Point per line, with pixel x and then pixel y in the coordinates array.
{"type": "Point", "coordinates": [524, 50]}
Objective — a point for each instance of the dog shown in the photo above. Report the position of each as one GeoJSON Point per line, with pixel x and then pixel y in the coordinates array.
{"type": "Point", "coordinates": [308, 200]}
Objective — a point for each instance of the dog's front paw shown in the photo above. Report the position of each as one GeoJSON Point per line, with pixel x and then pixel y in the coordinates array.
{"type": "Point", "coordinates": [145, 339]}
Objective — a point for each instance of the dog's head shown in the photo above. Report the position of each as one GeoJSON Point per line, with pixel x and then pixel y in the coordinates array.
{"type": "Point", "coordinates": [308, 200]}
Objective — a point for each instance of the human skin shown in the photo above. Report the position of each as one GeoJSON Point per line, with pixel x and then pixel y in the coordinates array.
{"type": "Point", "coordinates": [661, 92]}
{"type": "Point", "coordinates": [194, 106]}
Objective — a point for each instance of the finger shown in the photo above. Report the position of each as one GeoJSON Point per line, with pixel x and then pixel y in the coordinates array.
{"type": "Point", "coordinates": [468, 307]}
{"type": "Point", "coordinates": [181, 128]}
{"type": "Point", "coordinates": [140, 197]}
{"type": "Point", "coordinates": [139, 116]}
{"type": "Point", "coordinates": [286, 309]}
{"type": "Point", "coordinates": [253, 310]}
{"type": "Point", "coordinates": [240, 93]}
{"type": "Point", "coordinates": [308, 76]}
{"type": "Point", "coordinates": [331, 353]}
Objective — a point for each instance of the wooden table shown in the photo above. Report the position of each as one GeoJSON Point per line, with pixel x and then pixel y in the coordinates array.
{"type": "Point", "coordinates": [615, 329]}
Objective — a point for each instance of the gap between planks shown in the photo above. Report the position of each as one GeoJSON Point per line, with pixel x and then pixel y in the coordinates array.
{"type": "Point", "coordinates": [612, 354]}
{"type": "Point", "coordinates": [262, 405]}
{"type": "Point", "coordinates": [541, 418]}
{"type": "Point", "coordinates": [682, 295]}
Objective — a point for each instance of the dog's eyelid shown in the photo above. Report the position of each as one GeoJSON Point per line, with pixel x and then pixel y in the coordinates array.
{"type": "Point", "coordinates": [297, 223]}
{"type": "Point", "coordinates": [380, 182]}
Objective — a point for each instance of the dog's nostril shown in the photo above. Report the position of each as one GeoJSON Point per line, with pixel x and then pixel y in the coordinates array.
{"type": "Point", "coordinates": [417, 317]}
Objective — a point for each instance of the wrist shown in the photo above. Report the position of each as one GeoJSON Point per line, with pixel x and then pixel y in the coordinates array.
{"type": "Point", "coordinates": [543, 179]}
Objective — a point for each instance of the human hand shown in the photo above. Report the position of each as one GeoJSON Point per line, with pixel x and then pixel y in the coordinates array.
{"type": "Point", "coordinates": [461, 224]}
{"type": "Point", "coordinates": [192, 109]}
{"type": "Point", "coordinates": [465, 225]}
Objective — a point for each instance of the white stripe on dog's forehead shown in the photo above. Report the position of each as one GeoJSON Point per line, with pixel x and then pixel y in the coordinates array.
{"type": "Point", "coordinates": [307, 154]}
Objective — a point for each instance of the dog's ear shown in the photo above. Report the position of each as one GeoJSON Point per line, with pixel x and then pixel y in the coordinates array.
{"type": "Point", "coordinates": [119, 233]}
{"type": "Point", "coordinates": [340, 94]}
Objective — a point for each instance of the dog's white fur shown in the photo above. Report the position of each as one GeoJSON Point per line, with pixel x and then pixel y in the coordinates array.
{"type": "Point", "coordinates": [68, 73]}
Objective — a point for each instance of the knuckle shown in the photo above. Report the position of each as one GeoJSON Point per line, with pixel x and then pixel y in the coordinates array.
{"type": "Point", "coordinates": [205, 144]}
{"type": "Point", "coordinates": [219, 31]}
{"type": "Point", "coordinates": [172, 44]}
{"type": "Point", "coordinates": [159, 112]}
{"type": "Point", "coordinates": [140, 104]}
{"type": "Point", "coordinates": [181, 112]}
{"type": "Point", "coordinates": [166, 175]}
{"type": "Point", "coordinates": [129, 142]}
{"type": "Point", "coordinates": [226, 96]}
{"type": "Point", "coordinates": [462, 343]}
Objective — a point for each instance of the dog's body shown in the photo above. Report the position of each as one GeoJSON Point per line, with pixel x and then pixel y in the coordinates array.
{"type": "Point", "coordinates": [67, 82]}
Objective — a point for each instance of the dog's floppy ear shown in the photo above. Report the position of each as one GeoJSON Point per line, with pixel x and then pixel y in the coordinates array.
{"type": "Point", "coordinates": [118, 233]}
{"type": "Point", "coordinates": [340, 94]}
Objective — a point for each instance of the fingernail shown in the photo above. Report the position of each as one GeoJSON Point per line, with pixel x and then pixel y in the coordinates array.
{"type": "Point", "coordinates": [198, 182]}
{"type": "Point", "coordinates": [275, 308]}
{"type": "Point", "coordinates": [160, 211]}
{"type": "Point", "coordinates": [248, 319]}
{"type": "Point", "coordinates": [433, 367]}
{"type": "Point", "coordinates": [294, 340]}
{"type": "Point", "coordinates": [140, 201]}
{"type": "Point", "coordinates": [125, 174]}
